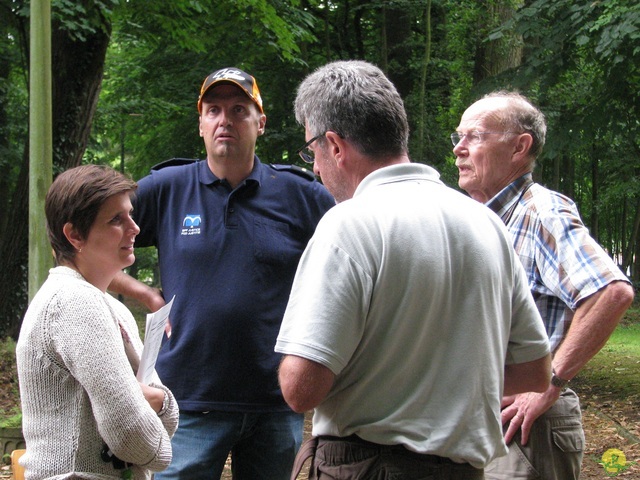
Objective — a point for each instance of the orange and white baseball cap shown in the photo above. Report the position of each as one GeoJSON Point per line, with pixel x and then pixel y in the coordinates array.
{"type": "Point", "coordinates": [236, 77]}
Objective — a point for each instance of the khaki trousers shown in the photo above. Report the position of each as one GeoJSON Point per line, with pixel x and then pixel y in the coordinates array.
{"type": "Point", "coordinates": [554, 450]}
{"type": "Point", "coordinates": [352, 458]}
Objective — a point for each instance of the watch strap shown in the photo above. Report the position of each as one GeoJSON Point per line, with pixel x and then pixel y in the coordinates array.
{"type": "Point", "coordinates": [556, 381]}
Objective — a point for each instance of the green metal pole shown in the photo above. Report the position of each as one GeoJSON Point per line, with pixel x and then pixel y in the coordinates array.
{"type": "Point", "coordinates": [40, 142]}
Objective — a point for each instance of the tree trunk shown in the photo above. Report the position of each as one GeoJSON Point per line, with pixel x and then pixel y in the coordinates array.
{"type": "Point", "coordinates": [633, 245]}
{"type": "Point", "coordinates": [495, 56]}
{"type": "Point", "coordinates": [555, 175]}
{"type": "Point", "coordinates": [398, 32]}
{"type": "Point", "coordinates": [77, 74]}
{"type": "Point", "coordinates": [384, 49]}
{"type": "Point", "coordinates": [635, 269]}
{"type": "Point", "coordinates": [14, 252]}
{"type": "Point", "coordinates": [423, 80]}
{"type": "Point", "coordinates": [594, 194]}
{"type": "Point", "coordinates": [5, 70]}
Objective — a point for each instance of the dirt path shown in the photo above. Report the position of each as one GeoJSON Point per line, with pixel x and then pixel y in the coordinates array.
{"type": "Point", "coordinates": [603, 433]}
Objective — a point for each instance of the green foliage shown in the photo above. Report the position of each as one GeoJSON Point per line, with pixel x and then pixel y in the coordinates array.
{"type": "Point", "coordinates": [7, 348]}
{"type": "Point", "coordinates": [81, 19]}
{"type": "Point", "coordinates": [284, 24]}
{"type": "Point", "coordinates": [578, 60]}
{"type": "Point", "coordinates": [625, 340]}
{"type": "Point", "coordinates": [12, 419]}
{"type": "Point", "coordinates": [616, 368]}
{"type": "Point", "coordinates": [146, 266]}
{"type": "Point", "coordinates": [157, 77]}
{"type": "Point", "coordinates": [581, 66]}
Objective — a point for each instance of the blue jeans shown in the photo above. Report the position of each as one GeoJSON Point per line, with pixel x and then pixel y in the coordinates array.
{"type": "Point", "coordinates": [262, 445]}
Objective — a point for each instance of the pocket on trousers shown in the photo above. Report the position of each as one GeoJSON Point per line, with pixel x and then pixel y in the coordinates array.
{"type": "Point", "coordinates": [569, 438]}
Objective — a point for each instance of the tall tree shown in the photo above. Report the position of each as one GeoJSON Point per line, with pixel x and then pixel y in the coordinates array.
{"type": "Point", "coordinates": [40, 143]}
{"type": "Point", "coordinates": [496, 54]}
{"type": "Point", "coordinates": [423, 76]}
{"type": "Point", "coordinates": [156, 76]}
{"type": "Point", "coordinates": [577, 60]}
{"type": "Point", "coordinates": [582, 62]}
{"type": "Point", "coordinates": [80, 35]}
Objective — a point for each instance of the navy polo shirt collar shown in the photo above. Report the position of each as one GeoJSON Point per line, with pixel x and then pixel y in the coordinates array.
{"type": "Point", "coordinates": [207, 177]}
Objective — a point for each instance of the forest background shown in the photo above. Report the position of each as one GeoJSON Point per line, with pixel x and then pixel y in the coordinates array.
{"type": "Point", "coordinates": [126, 76]}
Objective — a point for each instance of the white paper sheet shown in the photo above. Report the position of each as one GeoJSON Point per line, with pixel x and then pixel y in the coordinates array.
{"type": "Point", "coordinates": [153, 334]}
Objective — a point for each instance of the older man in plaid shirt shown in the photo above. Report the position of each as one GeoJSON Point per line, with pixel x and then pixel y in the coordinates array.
{"type": "Point", "coordinates": [580, 292]}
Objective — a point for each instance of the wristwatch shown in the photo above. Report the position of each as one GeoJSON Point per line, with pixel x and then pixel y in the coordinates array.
{"type": "Point", "coordinates": [557, 381]}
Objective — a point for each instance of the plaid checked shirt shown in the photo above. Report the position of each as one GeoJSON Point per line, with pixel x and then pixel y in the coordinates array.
{"type": "Point", "coordinates": [564, 264]}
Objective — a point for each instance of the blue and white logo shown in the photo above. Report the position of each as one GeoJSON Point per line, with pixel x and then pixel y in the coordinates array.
{"type": "Point", "coordinates": [192, 220]}
{"type": "Point", "coordinates": [191, 224]}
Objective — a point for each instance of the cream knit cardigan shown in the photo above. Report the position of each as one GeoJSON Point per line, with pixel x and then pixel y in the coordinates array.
{"type": "Point", "coordinates": [77, 355]}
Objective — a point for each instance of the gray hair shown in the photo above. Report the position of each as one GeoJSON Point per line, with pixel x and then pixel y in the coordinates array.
{"type": "Point", "coordinates": [357, 101]}
{"type": "Point", "coordinates": [521, 115]}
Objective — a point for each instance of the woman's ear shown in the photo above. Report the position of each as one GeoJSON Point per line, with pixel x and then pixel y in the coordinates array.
{"type": "Point", "coordinates": [72, 235]}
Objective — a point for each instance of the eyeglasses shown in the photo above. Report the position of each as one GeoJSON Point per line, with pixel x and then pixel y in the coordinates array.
{"type": "Point", "coordinates": [473, 138]}
{"type": "Point", "coordinates": [305, 153]}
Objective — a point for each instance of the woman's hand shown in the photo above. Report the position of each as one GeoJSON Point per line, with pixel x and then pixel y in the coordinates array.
{"type": "Point", "coordinates": [154, 396]}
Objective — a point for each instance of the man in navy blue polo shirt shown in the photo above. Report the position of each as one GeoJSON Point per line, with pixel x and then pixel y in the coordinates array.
{"type": "Point", "coordinates": [229, 231]}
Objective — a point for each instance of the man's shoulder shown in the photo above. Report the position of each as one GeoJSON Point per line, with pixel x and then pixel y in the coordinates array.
{"type": "Point", "coordinates": [175, 171]}
{"type": "Point", "coordinates": [296, 185]}
{"type": "Point", "coordinates": [173, 162]}
{"type": "Point", "coordinates": [547, 201]}
{"type": "Point", "coordinates": [299, 172]}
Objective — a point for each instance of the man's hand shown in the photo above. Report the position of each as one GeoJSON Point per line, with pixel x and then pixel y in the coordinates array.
{"type": "Point", "coordinates": [524, 409]}
{"type": "Point", "coordinates": [154, 302]}
{"type": "Point", "coordinates": [154, 299]}
{"type": "Point", "coordinates": [593, 322]}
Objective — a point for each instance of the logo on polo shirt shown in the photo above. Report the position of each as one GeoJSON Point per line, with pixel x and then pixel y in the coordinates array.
{"type": "Point", "coordinates": [191, 224]}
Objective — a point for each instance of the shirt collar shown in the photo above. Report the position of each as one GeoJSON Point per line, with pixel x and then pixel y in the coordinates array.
{"type": "Point", "coordinates": [207, 177]}
{"type": "Point", "coordinates": [398, 173]}
{"type": "Point", "coordinates": [506, 198]}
